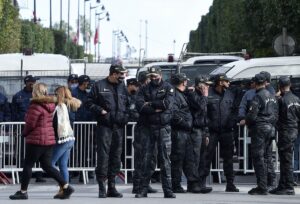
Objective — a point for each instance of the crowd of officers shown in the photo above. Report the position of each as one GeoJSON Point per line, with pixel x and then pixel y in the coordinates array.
{"type": "Point", "coordinates": [178, 128]}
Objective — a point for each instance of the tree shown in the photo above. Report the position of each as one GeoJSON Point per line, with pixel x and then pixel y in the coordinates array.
{"type": "Point", "coordinates": [10, 27]}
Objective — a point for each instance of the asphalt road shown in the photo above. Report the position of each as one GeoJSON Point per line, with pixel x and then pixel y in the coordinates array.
{"type": "Point", "coordinates": [86, 194]}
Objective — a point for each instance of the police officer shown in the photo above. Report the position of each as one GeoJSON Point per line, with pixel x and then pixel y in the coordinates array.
{"type": "Point", "coordinates": [270, 156]}
{"type": "Point", "coordinates": [108, 100]}
{"type": "Point", "coordinates": [221, 122]}
{"type": "Point", "coordinates": [81, 92]}
{"type": "Point", "coordinates": [132, 88]}
{"type": "Point", "coordinates": [138, 143]}
{"type": "Point", "coordinates": [21, 99]}
{"type": "Point", "coordinates": [200, 134]}
{"type": "Point", "coordinates": [72, 81]}
{"type": "Point", "coordinates": [83, 114]}
{"type": "Point", "coordinates": [182, 121]}
{"type": "Point", "coordinates": [260, 119]}
{"type": "Point", "coordinates": [154, 103]}
{"type": "Point", "coordinates": [289, 115]}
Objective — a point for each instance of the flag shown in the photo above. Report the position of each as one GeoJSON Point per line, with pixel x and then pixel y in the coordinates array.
{"type": "Point", "coordinates": [96, 37]}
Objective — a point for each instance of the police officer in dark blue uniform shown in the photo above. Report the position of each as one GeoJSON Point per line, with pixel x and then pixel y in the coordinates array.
{"type": "Point", "coordinates": [220, 112]}
{"type": "Point", "coordinates": [132, 88]}
{"type": "Point", "coordinates": [72, 81]}
{"type": "Point", "coordinates": [21, 100]}
{"type": "Point", "coordinates": [108, 100]}
{"type": "Point", "coordinates": [288, 120]}
{"type": "Point", "coordinates": [154, 103]}
{"type": "Point", "coordinates": [261, 119]}
{"type": "Point", "coordinates": [83, 114]}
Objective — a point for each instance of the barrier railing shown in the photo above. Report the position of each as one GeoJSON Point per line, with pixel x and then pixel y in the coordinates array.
{"type": "Point", "coordinates": [83, 156]}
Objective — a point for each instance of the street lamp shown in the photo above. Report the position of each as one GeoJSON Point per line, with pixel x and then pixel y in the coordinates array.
{"type": "Point", "coordinates": [84, 34]}
{"type": "Point", "coordinates": [91, 8]}
{"type": "Point", "coordinates": [107, 17]}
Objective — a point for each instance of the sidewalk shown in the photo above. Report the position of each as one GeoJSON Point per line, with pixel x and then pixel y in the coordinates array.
{"type": "Point", "coordinates": [88, 194]}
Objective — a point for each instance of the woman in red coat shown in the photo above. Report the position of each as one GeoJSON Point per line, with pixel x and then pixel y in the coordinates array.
{"type": "Point", "coordinates": [40, 140]}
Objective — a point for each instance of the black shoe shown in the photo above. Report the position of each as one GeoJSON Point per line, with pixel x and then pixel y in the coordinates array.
{"type": "Point", "coordinates": [194, 187]}
{"type": "Point", "coordinates": [19, 196]}
{"type": "Point", "coordinates": [169, 195]}
{"type": "Point", "coordinates": [257, 191]}
{"type": "Point", "coordinates": [142, 194]}
{"type": "Point", "coordinates": [40, 180]}
{"type": "Point", "coordinates": [67, 192]}
{"type": "Point", "coordinates": [135, 190]}
{"type": "Point", "coordinates": [281, 191]}
{"type": "Point", "coordinates": [178, 189]}
{"type": "Point", "coordinates": [58, 195]}
{"type": "Point", "coordinates": [231, 188]}
{"type": "Point", "coordinates": [151, 190]}
{"type": "Point", "coordinates": [205, 190]}
{"type": "Point", "coordinates": [113, 193]}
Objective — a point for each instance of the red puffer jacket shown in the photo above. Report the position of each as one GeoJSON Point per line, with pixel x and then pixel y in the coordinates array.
{"type": "Point", "coordinates": [39, 121]}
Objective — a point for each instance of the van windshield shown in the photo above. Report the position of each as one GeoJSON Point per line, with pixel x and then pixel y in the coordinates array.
{"type": "Point", "coordinates": [222, 69]}
{"type": "Point", "coordinates": [194, 70]}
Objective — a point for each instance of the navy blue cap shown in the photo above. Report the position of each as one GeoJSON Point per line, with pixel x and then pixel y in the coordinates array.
{"type": "Point", "coordinates": [72, 77]}
{"type": "Point", "coordinates": [83, 78]}
{"type": "Point", "coordinates": [267, 75]}
{"type": "Point", "coordinates": [30, 78]}
{"type": "Point", "coordinates": [221, 77]}
{"type": "Point", "coordinates": [155, 70]}
{"type": "Point", "coordinates": [117, 68]}
{"type": "Point", "coordinates": [202, 79]}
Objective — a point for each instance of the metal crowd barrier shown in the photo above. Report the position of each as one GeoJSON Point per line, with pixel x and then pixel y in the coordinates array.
{"type": "Point", "coordinates": [83, 156]}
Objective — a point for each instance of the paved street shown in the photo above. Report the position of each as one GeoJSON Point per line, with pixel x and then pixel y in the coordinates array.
{"type": "Point", "coordinates": [88, 194]}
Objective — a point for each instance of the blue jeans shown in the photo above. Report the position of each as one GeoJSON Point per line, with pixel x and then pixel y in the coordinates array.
{"type": "Point", "coordinates": [61, 155]}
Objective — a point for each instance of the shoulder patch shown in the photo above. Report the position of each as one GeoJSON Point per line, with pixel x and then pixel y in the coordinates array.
{"type": "Point", "coordinates": [171, 90]}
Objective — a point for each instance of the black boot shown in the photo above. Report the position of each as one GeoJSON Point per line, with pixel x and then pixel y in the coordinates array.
{"type": "Point", "coordinates": [195, 187]}
{"type": "Point", "coordinates": [111, 189]}
{"type": "Point", "coordinates": [169, 194]}
{"type": "Point", "coordinates": [136, 186]}
{"type": "Point", "coordinates": [102, 188]}
{"type": "Point", "coordinates": [204, 188]}
{"type": "Point", "coordinates": [142, 194]}
{"type": "Point", "coordinates": [230, 187]}
{"type": "Point", "coordinates": [151, 190]}
{"type": "Point", "coordinates": [177, 188]}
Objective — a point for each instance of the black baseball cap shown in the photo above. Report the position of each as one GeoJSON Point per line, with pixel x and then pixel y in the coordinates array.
{"type": "Point", "coordinates": [267, 76]}
{"type": "Point", "coordinates": [30, 78]}
{"type": "Point", "coordinates": [72, 77]}
{"type": "Point", "coordinates": [260, 78]}
{"type": "Point", "coordinates": [179, 78]}
{"type": "Point", "coordinates": [132, 81]}
{"type": "Point", "coordinates": [83, 78]}
{"type": "Point", "coordinates": [284, 81]}
{"type": "Point", "coordinates": [154, 70]}
{"type": "Point", "coordinates": [202, 79]}
{"type": "Point", "coordinates": [221, 77]}
{"type": "Point", "coordinates": [117, 68]}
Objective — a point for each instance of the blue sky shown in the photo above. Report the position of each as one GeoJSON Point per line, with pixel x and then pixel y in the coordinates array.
{"type": "Point", "coordinates": [168, 20]}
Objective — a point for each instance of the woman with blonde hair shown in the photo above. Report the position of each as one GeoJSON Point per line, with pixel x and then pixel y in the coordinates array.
{"type": "Point", "coordinates": [40, 140]}
{"type": "Point", "coordinates": [63, 131]}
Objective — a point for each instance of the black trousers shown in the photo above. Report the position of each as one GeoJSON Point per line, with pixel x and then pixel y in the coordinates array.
{"type": "Point", "coordinates": [183, 157]}
{"type": "Point", "coordinates": [286, 140]}
{"type": "Point", "coordinates": [139, 145]}
{"type": "Point", "coordinates": [109, 150]}
{"type": "Point", "coordinates": [226, 141]}
{"type": "Point", "coordinates": [160, 136]}
{"type": "Point", "coordinates": [261, 137]}
{"type": "Point", "coordinates": [43, 154]}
